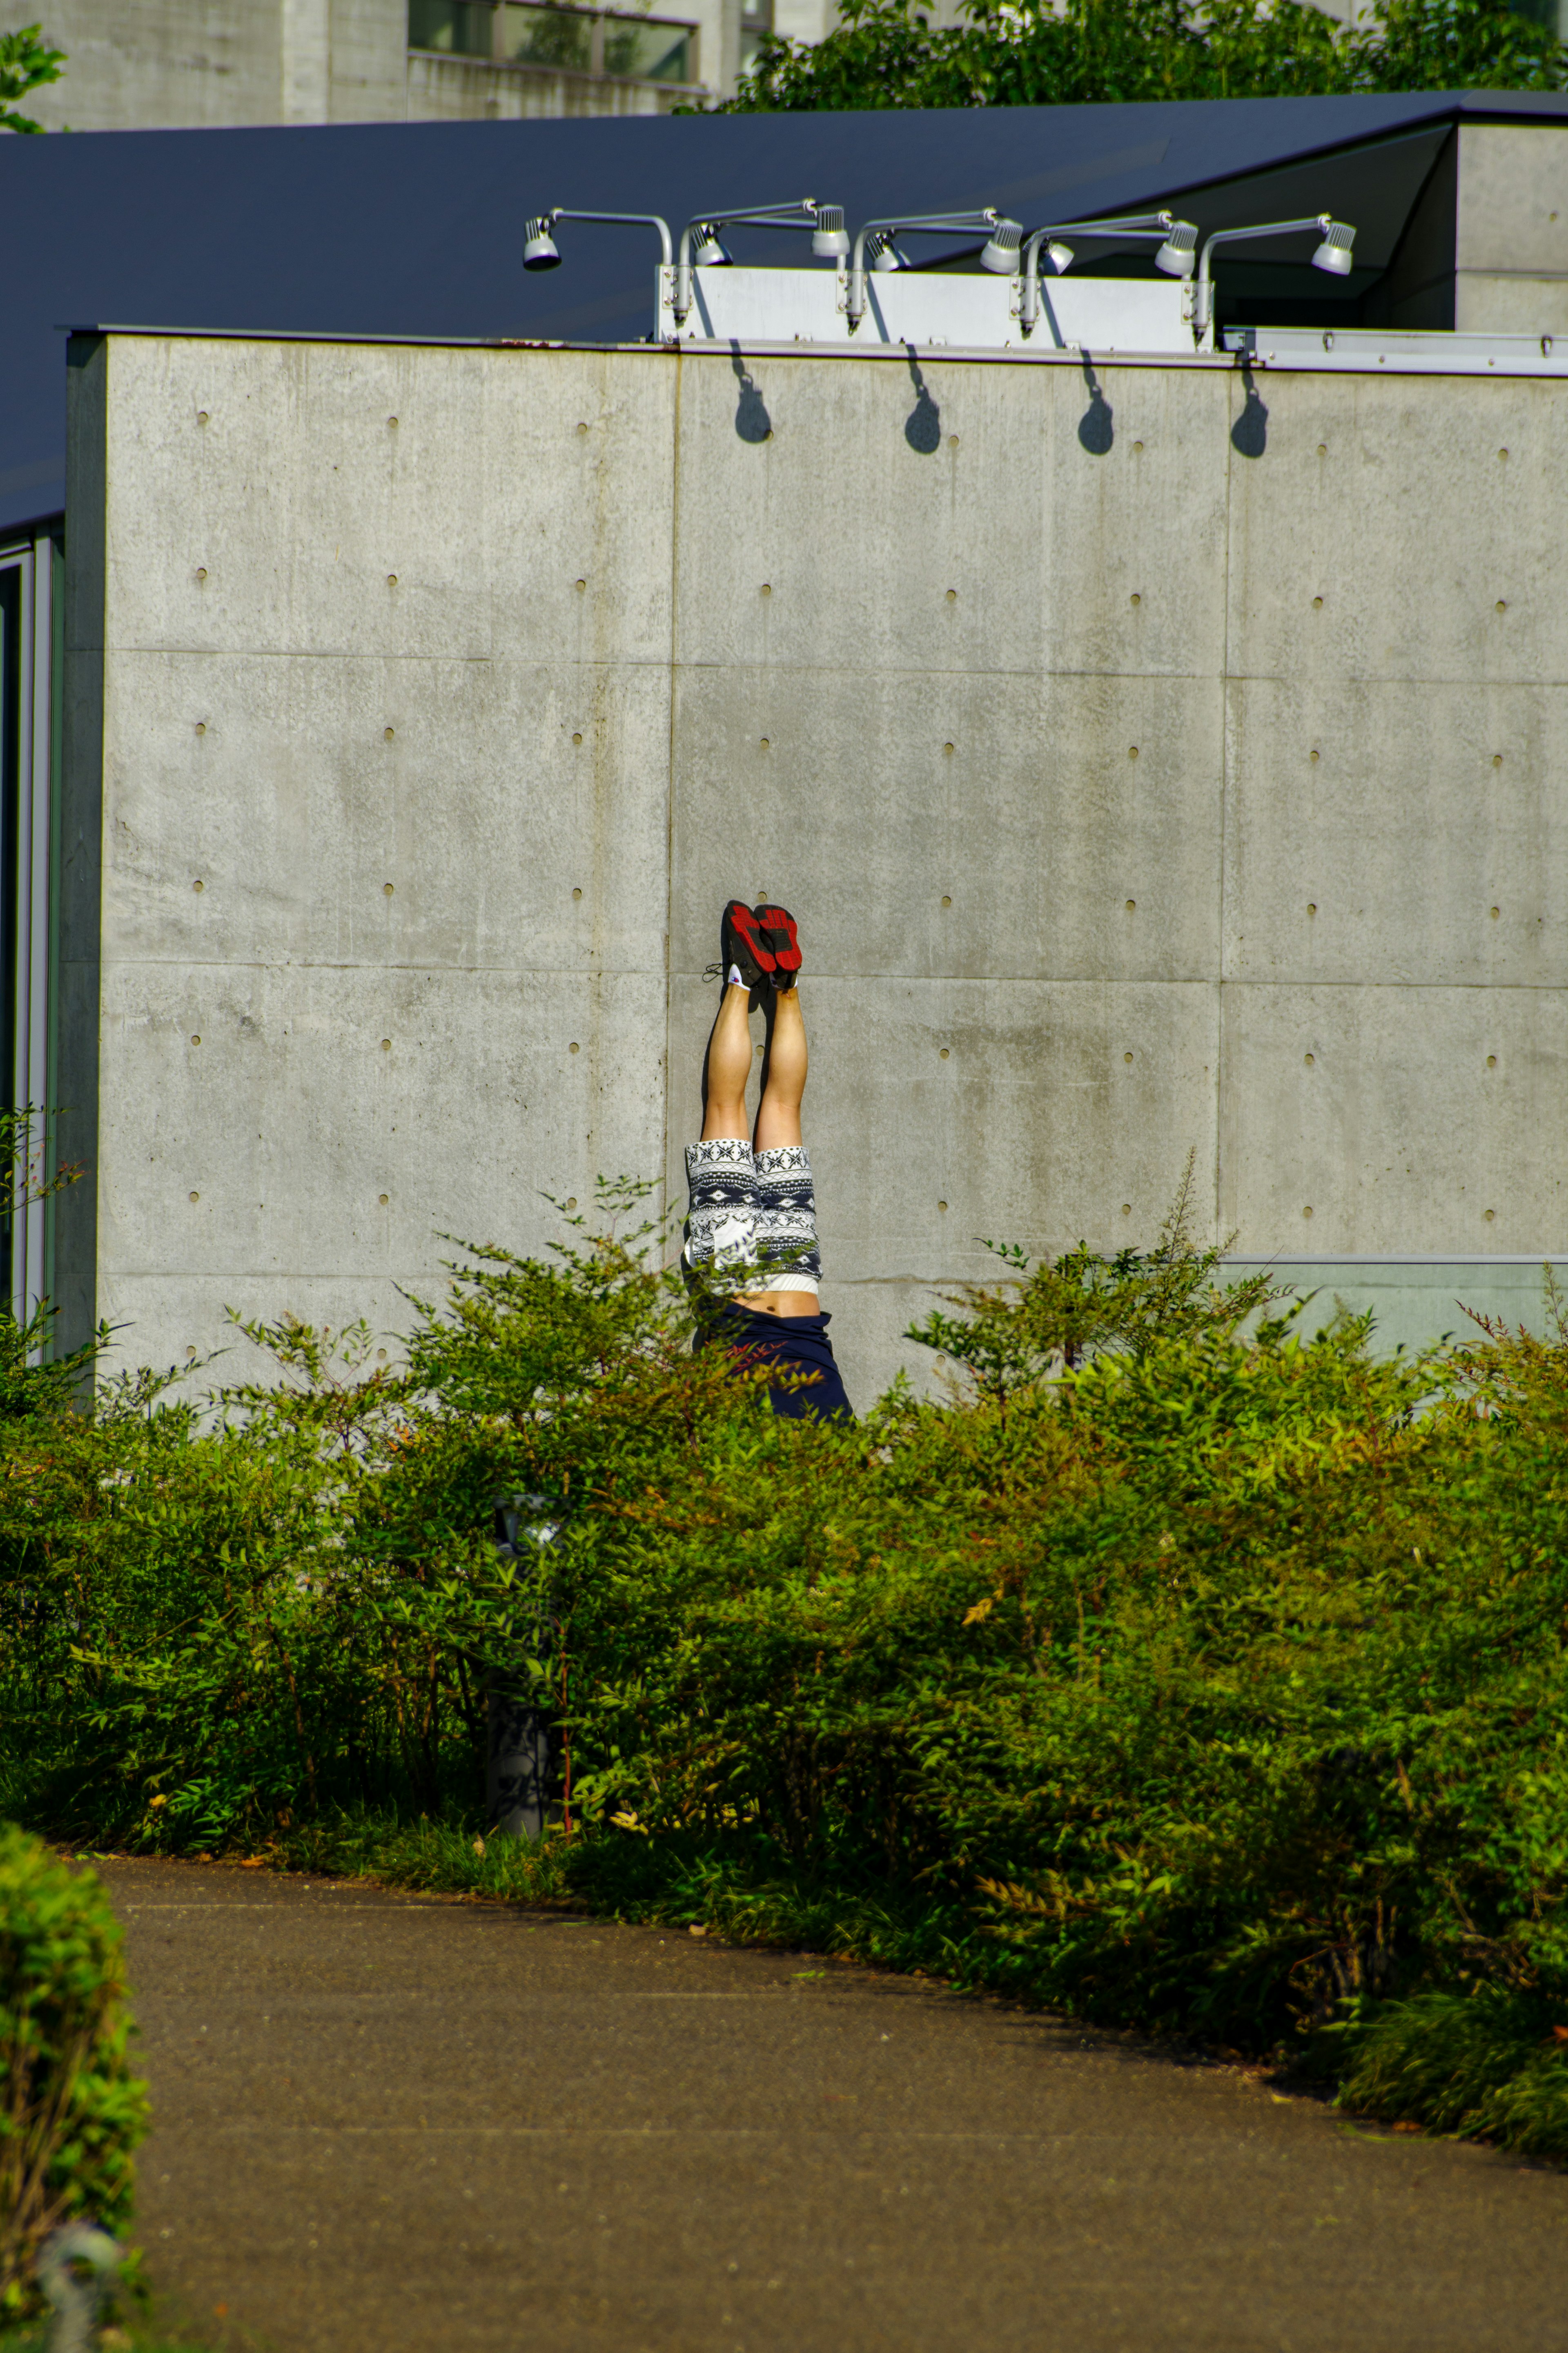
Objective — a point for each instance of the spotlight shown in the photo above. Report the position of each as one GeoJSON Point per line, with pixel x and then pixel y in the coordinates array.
{"type": "Point", "coordinates": [540, 250]}
{"type": "Point", "coordinates": [830, 238]}
{"type": "Point", "coordinates": [1175, 256]}
{"type": "Point", "coordinates": [1178, 255]}
{"type": "Point", "coordinates": [707, 252]}
{"type": "Point", "coordinates": [701, 248]}
{"type": "Point", "coordinates": [999, 253]}
{"type": "Point", "coordinates": [1334, 253]}
{"type": "Point", "coordinates": [874, 247]}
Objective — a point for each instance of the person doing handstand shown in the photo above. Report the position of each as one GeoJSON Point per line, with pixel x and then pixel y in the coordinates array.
{"type": "Point", "coordinates": [753, 1212]}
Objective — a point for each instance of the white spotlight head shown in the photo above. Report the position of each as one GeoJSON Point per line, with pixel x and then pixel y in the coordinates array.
{"type": "Point", "coordinates": [707, 253]}
{"type": "Point", "coordinates": [1061, 255]}
{"type": "Point", "coordinates": [884, 254]}
{"type": "Point", "coordinates": [539, 248]}
{"type": "Point", "coordinates": [1178, 255]}
{"type": "Point", "coordinates": [830, 238]}
{"type": "Point", "coordinates": [1000, 251]}
{"type": "Point", "coordinates": [1334, 253]}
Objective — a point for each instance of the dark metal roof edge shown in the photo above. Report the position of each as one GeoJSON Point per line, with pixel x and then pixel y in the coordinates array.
{"type": "Point", "coordinates": [1387, 135]}
{"type": "Point", "coordinates": [325, 335]}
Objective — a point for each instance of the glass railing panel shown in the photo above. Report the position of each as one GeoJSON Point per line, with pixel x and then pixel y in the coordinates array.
{"type": "Point", "coordinates": [653, 52]}
{"type": "Point", "coordinates": [465, 28]}
{"type": "Point", "coordinates": [561, 37]}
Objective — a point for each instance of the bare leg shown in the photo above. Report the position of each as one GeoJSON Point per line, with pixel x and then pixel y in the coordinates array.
{"type": "Point", "coordinates": [728, 1068]}
{"type": "Point", "coordinates": [778, 1123]}
{"type": "Point", "coordinates": [778, 1116]}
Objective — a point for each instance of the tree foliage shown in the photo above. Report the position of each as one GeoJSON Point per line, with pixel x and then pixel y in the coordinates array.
{"type": "Point", "coordinates": [26, 63]}
{"type": "Point", "coordinates": [887, 53]}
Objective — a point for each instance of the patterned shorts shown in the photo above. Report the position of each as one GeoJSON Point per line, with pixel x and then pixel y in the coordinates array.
{"type": "Point", "coordinates": [749, 1211]}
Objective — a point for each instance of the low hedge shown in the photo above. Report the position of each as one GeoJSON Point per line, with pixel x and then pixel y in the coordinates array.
{"type": "Point", "coordinates": [1173, 1669]}
{"type": "Point", "coordinates": [71, 2111]}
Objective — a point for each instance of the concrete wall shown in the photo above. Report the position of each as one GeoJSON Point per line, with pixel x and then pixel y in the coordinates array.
{"type": "Point", "coordinates": [470, 90]}
{"type": "Point", "coordinates": [1136, 795]}
{"type": "Point", "coordinates": [188, 64]}
{"type": "Point", "coordinates": [1485, 247]}
{"type": "Point", "coordinates": [1510, 256]}
{"type": "Point", "coordinates": [184, 64]}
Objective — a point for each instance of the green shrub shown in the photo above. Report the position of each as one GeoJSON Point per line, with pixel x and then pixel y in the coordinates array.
{"type": "Point", "coordinates": [1492, 2063]}
{"type": "Point", "coordinates": [71, 2113]}
{"type": "Point", "coordinates": [1186, 1676]}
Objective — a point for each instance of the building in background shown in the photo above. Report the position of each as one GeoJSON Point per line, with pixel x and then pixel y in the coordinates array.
{"type": "Point", "coordinates": [137, 65]}
{"type": "Point", "coordinates": [145, 65]}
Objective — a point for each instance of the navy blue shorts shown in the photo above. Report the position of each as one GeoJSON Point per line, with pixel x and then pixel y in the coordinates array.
{"type": "Point", "coordinates": [796, 1344]}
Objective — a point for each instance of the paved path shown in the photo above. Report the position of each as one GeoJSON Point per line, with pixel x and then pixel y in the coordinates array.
{"type": "Point", "coordinates": [394, 2125]}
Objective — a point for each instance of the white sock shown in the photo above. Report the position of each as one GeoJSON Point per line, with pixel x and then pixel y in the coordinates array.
{"type": "Point", "coordinates": [734, 975]}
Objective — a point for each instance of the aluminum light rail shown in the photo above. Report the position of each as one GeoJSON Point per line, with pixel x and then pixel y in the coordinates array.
{"type": "Point", "coordinates": [1388, 351]}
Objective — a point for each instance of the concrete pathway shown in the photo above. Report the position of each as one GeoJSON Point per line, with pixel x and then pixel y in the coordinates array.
{"type": "Point", "coordinates": [389, 2124]}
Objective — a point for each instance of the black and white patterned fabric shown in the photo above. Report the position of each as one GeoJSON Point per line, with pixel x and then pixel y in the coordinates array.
{"type": "Point", "coordinates": [786, 1219]}
{"type": "Point", "coordinates": [751, 1210]}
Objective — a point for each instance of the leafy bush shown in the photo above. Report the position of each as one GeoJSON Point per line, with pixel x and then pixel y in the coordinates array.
{"type": "Point", "coordinates": [72, 2113]}
{"type": "Point", "coordinates": [1172, 1668]}
{"type": "Point", "coordinates": [886, 53]}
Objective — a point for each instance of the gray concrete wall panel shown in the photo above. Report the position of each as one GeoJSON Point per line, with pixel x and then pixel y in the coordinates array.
{"type": "Point", "coordinates": [368, 61]}
{"type": "Point", "coordinates": [1434, 558]}
{"type": "Point", "coordinates": [471, 90]}
{"type": "Point", "coordinates": [1404, 1120]}
{"type": "Point", "coordinates": [1035, 847]}
{"type": "Point", "coordinates": [1508, 304]}
{"type": "Point", "coordinates": [1513, 200]}
{"type": "Point", "coordinates": [658, 630]}
{"type": "Point", "coordinates": [174, 64]}
{"type": "Point", "coordinates": [1393, 832]}
{"type": "Point", "coordinates": [1415, 1304]}
{"type": "Point", "coordinates": [271, 782]}
{"type": "Point", "coordinates": [475, 524]}
{"type": "Point", "coordinates": [262, 1127]}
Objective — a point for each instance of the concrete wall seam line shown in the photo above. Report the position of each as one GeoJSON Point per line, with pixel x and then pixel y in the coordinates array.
{"type": "Point", "coordinates": [1396, 1258]}
{"type": "Point", "coordinates": [673, 754]}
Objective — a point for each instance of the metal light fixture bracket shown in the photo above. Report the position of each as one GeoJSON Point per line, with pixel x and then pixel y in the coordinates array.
{"type": "Point", "coordinates": [1000, 253]}
{"type": "Point", "coordinates": [1173, 235]}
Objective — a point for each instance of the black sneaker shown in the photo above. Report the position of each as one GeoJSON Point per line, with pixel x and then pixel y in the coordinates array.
{"type": "Point", "coordinates": [740, 947]}
{"type": "Point", "coordinates": [778, 948]}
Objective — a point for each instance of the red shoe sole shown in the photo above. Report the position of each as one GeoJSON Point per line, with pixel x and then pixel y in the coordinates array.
{"type": "Point", "coordinates": [779, 926]}
{"type": "Point", "coordinates": [740, 918]}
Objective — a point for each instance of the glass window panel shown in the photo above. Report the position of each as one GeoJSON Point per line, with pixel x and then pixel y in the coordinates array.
{"type": "Point", "coordinates": [462, 28]}
{"type": "Point", "coordinates": [651, 52]}
{"type": "Point", "coordinates": [548, 37]}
